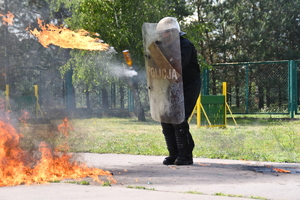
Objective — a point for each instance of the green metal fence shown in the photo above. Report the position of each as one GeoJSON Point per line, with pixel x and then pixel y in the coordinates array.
{"type": "Point", "coordinates": [57, 94]}
{"type": "Point", "coordinates": [252, 88]}
{"type": "Point", "coordinates": [256, 87]}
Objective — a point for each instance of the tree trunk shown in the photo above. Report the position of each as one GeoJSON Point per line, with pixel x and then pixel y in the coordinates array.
{"type": "Point", "coordinates": [104, 95]}
{"type": "Point", "coordinates": [280, 100]}
{"type": "Point", "coordinates": [70, 92]}
{"type": "Point", "coordinates": [268, 98]}
{"type": "Point", "coordinates": [113, 95]}
{"type": "Point", "coordinates": [135, 90]}
{"type": "Point", "coordinates": [214, 83]}
{"type": "Point", "coordinates": [6, 46]}
{"type": "Point", "coordinates": [87, 97]}
{"type": "Point", "coordinates": [237, 97]}
{"type": "Point", "coordinates": [261, 101]}
{"type": "Point", "coordinates": [122, 95]}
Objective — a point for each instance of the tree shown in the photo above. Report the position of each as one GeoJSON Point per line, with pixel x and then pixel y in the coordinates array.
{"type": "Point", "coordinates": [254, 30]}
{"type": "Point", "coordinates": [26, 59]}
{"type": "Point", "coordinates": [119, 24]}
{"type": "Point", "coordinates": [247, 30]}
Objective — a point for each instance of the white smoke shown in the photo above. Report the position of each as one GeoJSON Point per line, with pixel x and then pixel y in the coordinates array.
{"type": "Point", "coordinates": [122, 71]}
{"type": "Point", "coordinates": [115, 68]}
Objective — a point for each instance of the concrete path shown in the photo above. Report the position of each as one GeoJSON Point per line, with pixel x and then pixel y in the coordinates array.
{"type": "Point", "coordinates": [145, 177]}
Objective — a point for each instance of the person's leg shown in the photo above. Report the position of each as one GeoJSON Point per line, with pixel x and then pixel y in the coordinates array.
{"type": "Point", "coordinates": [191, 94]}
{"type": "Point", "coordinates": [185, 144]}
{"type": "Point", "coordinates": [170, 138]}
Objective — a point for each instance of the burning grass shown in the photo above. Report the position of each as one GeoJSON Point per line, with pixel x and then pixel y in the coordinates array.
{"type": "Point", "coordinates": [259, 140]}
{"type": "Point", "coordinates": [31, 165]}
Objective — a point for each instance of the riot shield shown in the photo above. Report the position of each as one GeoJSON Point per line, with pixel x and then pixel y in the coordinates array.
{"type": "Point", "coordinates": [163, 69]}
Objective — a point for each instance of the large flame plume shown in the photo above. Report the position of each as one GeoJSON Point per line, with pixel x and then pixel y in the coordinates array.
{"type": "Point", "coordinates": [8, 18]}
{"type": "Point", "coordinates": [18, 167]}
{"type": "Point", "coordinates": [66, 38]}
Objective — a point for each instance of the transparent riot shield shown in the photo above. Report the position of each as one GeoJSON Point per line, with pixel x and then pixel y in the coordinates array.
{"type": "Point", "coordinates": [163, 69]}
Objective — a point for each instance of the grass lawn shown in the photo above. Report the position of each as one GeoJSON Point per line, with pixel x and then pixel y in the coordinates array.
{"type": "Point", "coordinates": [253, 139]}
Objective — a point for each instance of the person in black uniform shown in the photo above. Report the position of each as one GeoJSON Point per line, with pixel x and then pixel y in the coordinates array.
{"type": "Point", "coordinates": [179, 140]}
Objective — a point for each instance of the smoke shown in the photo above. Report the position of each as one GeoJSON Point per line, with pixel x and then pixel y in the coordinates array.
{"type": "Point", "coordinates": [113, 66]}
{"type": "Point", "coordinates": [122, 71]}
{"type": "Point", "coordinates": [108, 61]}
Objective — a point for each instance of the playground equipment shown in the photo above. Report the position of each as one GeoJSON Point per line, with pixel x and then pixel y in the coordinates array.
{"type": "Point", "coordinates": [18, 103]}
{"type": "Point", "coordinates": [211, 110]}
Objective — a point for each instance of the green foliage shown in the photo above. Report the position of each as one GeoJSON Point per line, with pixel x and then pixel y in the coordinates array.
{"type": "Point", "coordinates": [55, 5]}
{"type": "Point", "coordinates": [119, 23]}
{"type": "Point", "coordinates": [251, 31]}
{"type": "Point", "coordinates": [91, 68]}
{"type": "Point", "coordinates": [196, 34]}
{"type": "Point", "coordinates": [222, 31]}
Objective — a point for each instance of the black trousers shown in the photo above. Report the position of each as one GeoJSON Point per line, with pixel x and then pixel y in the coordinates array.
{"type": "Point", "coordinates": [178, 137]}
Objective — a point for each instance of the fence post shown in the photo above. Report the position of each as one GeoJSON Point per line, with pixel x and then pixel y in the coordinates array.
{"type": "Point", "coordinates": [205, 82]}
{"type": "Point", "coordinates": [224, 91]}
{"type": "Point", "coordinates": [36, 94]}
{"type": "Point", "coordinates": [296, 86]}
{"type": "Point", "coordinates": [247, 89]}
{"type": "Point", "coordinates": [130, 101]}
{"type": "Point", "coordinates": [292, 70]}
{"type": "Point", "coordinates": [70, 93]}
{"type": "Point", "coordinates": [7, 93]}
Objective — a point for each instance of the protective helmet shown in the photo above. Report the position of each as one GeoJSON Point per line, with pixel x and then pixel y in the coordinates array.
{"type": "Point", "coordinates": [168, 23]}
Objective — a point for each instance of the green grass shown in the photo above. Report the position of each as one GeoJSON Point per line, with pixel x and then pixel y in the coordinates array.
{"type": "Point", "coordinates": [56, 181]}
{"type": "Point", "coordinates": [140, 187]}
{"type": "Point", "coordinates": [227, 195]}
{"type": "Point", "coordinates": [79, 182]}
{"type": "Point", "coordinates": [263, 139]}
{"type": "Point", "coordinates": [193, 192]}
{"type": "Point", "coordinates": [106, 183]}
{"type": "Point", "coordinates": [233, 195]}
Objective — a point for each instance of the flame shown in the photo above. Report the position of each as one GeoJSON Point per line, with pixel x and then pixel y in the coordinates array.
{"type": "Point", "coordinates": [24, 117]}
{"type": "Point", "coordinates": [2, 104]}
{"type": "Point", "coordinates": [203, 164]}
{"type": "Point", "coordinates": [17, 167]}
{"type": "Point", "coordinates": [8, 18]}
{"type": "Point", "coordinates": [65, 38]}
{"type": "Point", "coordinates": [65, 127]}
{"type": "Point", "coordinates": [281, 170]}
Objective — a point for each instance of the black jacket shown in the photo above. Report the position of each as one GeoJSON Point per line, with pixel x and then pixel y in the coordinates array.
{"type": "Point", "coordinates": [189, 62]}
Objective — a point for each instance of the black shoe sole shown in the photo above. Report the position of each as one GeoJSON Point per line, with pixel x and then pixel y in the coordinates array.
{"type": "Point", "coordinates": [183, 162]}
{"type": "Point", "coordinates": [169, 161]}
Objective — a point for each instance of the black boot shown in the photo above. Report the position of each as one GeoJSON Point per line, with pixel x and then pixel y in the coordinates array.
{"type": "Point", "coordinates": [170, 138]}
{"type": "Point", "coordinates": [185, 145]}
{"type": "Point", "coordinates": [173, 154]}
{"type": "Point", "coordinates": [190, 146]}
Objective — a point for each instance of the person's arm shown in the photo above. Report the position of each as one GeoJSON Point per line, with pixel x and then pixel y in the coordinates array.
{"type": "Point", "coordinates": [186, 53]}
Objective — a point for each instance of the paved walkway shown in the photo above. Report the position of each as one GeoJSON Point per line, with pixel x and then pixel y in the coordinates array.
{"type": "Point", "coordinates": [145, 177]}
